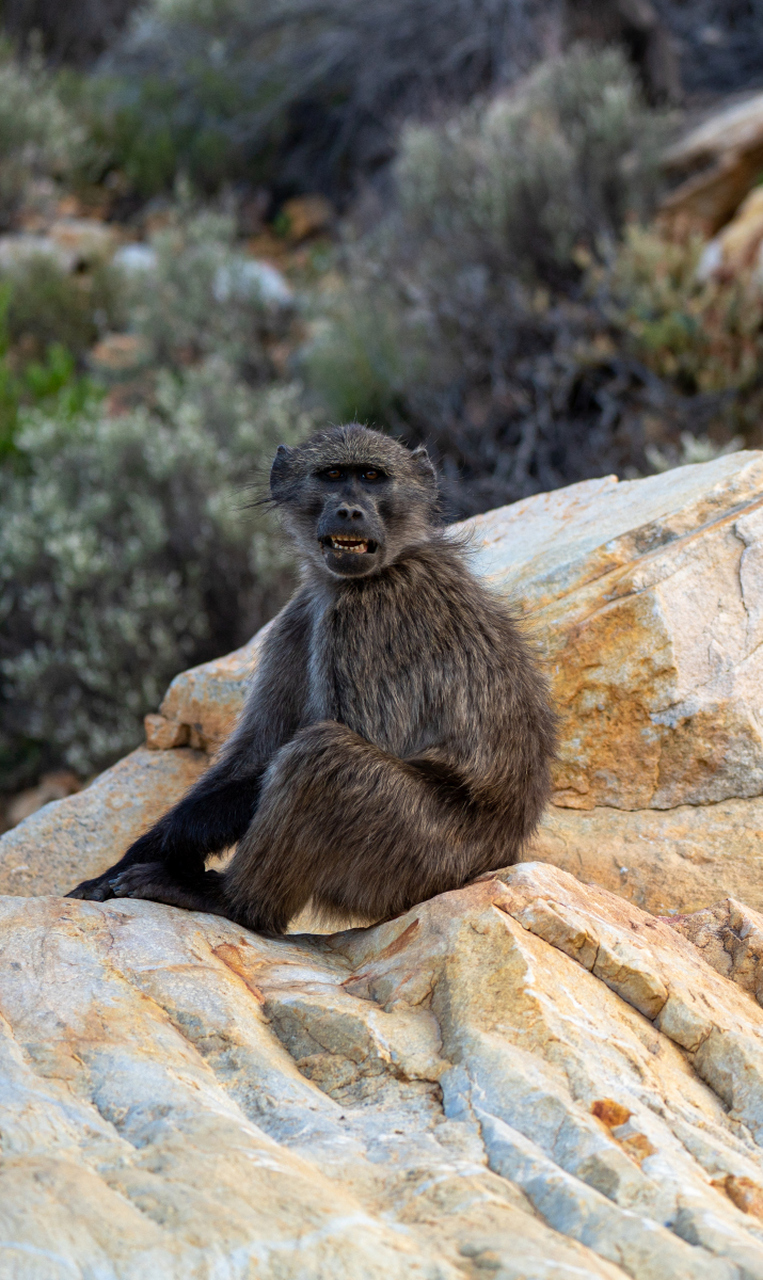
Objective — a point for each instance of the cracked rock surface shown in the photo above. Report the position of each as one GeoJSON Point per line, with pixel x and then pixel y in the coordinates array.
{"type": "Point", "coordinates": [526, 1078]}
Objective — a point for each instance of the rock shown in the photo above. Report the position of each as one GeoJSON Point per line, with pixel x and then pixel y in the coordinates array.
{"type": "Point", "coordinates": [736, 249]}
{"type": "Point", "coordinates": [252, 281]}
{"type": "Point", "coordinates": [306, 215]}
{"type": "Point", "coordinates": [526, 1078]}
{"type": "Point", "coordinates": [724, 158]}
{"type": "Point", "coordinates": [203, 703]}
{"type": "Point", "coordinates": [75, 839]}
{"type": "Point", "coordinates": [136, 259]}
{"type": "Point", "coordinates": [645, 599]}
{"type": "Point", "coordinates": [120, 354]}
{"type": "Point", "coordinates": [673, 860]}
{"type": "Point", "coordinates": [52, 786]}
{"type": "Point", "coordinates": [70, 243]}
{"type": "Point", "coordinates": [85, 240]}
{"type": "Point", "coordinates": [730, 937]}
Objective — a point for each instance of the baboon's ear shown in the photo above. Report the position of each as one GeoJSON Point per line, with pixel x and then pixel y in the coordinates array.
{"type": "Point", "coordinates": [424, 466]}
{"type": "Point", "coordinates": [280, 467]}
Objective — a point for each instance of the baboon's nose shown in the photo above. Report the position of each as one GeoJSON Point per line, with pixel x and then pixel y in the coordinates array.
{"type": "Point", "coordinates": [350, 513]}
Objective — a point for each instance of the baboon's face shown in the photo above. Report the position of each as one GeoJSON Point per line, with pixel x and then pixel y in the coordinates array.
{"type": "Point", "coordinates": [350, 529]}
{"type": "Point", "coordinates": [353, 508]}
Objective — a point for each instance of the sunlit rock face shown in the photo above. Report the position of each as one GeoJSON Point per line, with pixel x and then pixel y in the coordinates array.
{"type": "Point", "coordinates": [646, 599]}
{"type": "Point", "coordinates": [527, 1077]}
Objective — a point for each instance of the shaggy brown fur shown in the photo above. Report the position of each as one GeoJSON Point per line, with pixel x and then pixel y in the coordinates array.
{"type": "Point", "coordinates": [397, 735]}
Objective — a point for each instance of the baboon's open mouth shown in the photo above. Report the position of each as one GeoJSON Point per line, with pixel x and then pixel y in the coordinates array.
{"type": "Point", "coordinates": [357, 546]}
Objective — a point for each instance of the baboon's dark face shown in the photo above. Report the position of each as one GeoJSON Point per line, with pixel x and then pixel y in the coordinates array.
{"type": "Point", "coordinates": [354, 499]}
{"type": "Point", "coordinates": [351, 529]}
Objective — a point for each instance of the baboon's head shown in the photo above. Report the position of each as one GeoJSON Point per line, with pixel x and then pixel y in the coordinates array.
{"type": "Point", "coordinates": [354, 499]}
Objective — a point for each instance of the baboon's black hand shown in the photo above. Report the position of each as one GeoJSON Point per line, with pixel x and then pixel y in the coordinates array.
{"type": "Point", "coordinates": [96, 890]}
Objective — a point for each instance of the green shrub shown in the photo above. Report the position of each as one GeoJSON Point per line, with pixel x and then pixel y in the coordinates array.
{"type": "Point", "coordinates": [203, 297]}
{"type": "Point", "coordinates": [307, 94]}
{"type": "Point", "coordinates": [38, 135]}
{"type": "Point", "coordinates": [48, 320]}
{"type": "Point", "coordinates": [520, 185]}
{"type": "Point", "coordinates": [47, 304]}
{"type": "Point", "coordinates": [467, 321]}
{"type": "Point", "coordinates": [703, 337]}
{"type": "Point", "coordinates": [125, 556]}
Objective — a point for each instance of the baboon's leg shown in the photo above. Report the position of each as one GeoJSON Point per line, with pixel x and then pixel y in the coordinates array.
{"type": "Point", "coordinates": [353, 828]}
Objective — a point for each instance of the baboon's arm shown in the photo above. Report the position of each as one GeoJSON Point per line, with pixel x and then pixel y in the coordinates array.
{"type": "Point", "coordinates": [218, 809]}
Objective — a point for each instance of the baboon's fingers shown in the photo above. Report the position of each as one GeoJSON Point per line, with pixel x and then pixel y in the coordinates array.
{"type": "Point", "coordinates": [97, 890]}
{"type": "Point", "coordinates": [150, 880]}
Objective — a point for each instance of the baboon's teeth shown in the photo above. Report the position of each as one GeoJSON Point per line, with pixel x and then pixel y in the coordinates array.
{"type": "Point", "coordinates": [356, 545]}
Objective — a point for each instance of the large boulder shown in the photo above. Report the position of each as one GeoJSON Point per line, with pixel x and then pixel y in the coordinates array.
{"type": "Point", "coordinates": [527, 1078]}
{"type": "Point", "coordinates": [62, 843]}
{"type": "Point", "coordinates": [645, 602]}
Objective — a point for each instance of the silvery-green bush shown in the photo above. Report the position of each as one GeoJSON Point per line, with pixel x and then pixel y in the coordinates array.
{"type": "Point", "coordinates": [38, 135]}
{"type": "Point", "coordinates": [466, 321]}
{"type": "Point", "coordinates": [198, 295]}
{"type": "Point", "coordinates": [127, 552]}
{"type": "Point", "coordinates": [305, 94]}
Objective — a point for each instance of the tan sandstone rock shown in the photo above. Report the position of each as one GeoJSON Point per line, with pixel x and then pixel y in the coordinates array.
{"type": "Point", "coordinates": [73, 839]}
{"type": "Point", "coordinates": [646, 601]}
{"type": "Point", "coordinates": [201, 705]}
{"type": "Point", "coordinates": [526, 1078]}
{"type": "Point", "coordinates": [721, 160]}
{"type": "Point", "coordinates": [669, 860]}
{"type": "Point", "coordinates": [730, 937]}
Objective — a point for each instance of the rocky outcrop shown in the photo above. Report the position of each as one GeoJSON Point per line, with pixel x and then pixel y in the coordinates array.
{"type": "Point", "coordinates": [527, 1078]}
{"type": "Point", "coordinates": [646, 602]}
{"type": "Point", "coordinates": [673, 860]}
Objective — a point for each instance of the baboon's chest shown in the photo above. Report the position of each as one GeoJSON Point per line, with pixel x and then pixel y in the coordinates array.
{"type": "Point", "coordinates": [375, 678]}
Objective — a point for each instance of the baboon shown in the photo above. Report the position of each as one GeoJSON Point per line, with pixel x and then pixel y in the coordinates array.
{"type": "Point", "coordinates": [397, 735]}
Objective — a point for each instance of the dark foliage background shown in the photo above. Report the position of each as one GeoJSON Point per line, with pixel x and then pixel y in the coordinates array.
{"type": "Point", "coordinates": [484, 276]}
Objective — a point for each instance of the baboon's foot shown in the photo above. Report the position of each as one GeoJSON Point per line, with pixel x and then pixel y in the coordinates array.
{"type": "Point", "coordinates": [151, 880]}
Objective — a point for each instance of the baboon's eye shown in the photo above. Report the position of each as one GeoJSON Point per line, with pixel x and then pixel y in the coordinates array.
{"type": "Point", "coordinates": [372, 474]}
{"type": "Point", "coordinates": [334, 473]}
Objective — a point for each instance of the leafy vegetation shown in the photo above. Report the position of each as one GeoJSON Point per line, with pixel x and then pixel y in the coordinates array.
{"type": "Point", "coordinates": [284, 90]}
{"type": "Point", "coordinates": [702, 336]}
{"type": "Point", "coordinates": [126, 555]}
{"type": "Point", "coordinates": [466, 320]}
{"type": "Point", "coordinates": [48, 320]}
{"type": "Point", "coordinates": [206, 297]}
{"type": "Point", "coordinates": [38, 135]}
